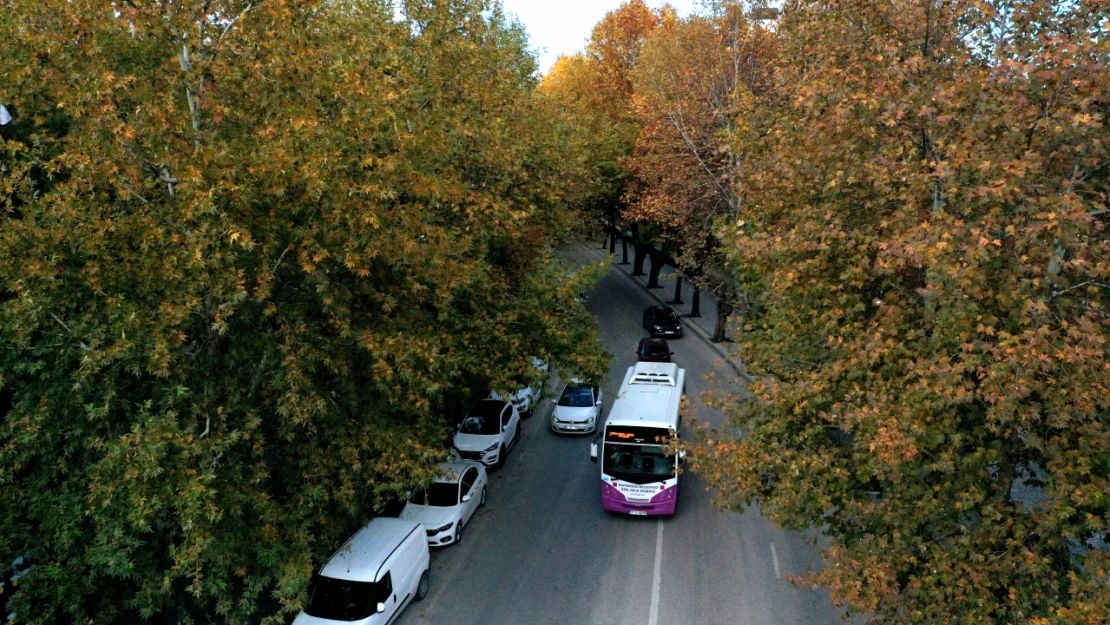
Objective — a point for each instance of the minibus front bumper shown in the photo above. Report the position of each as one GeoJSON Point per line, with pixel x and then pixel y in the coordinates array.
{"type": "Point", "coordinates": [663, 503]}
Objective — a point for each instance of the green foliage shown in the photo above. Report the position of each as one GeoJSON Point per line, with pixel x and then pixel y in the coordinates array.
{"type": "Point", "coordinates": [924, 225]}
{"type": "Point", "coordinates": [249, 247]}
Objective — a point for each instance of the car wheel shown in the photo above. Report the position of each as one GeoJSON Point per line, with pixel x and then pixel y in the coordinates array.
{"type": "Point", "coordinates": [458, 533]}
{"type": "Point", "coordinates": [501, 456]}
{"type": "Point", "coordinates": [482, 501]}
{"type": "Point", "coordinates": [422, 586]}
{"type": "Point", "coordinates": [516, 435]}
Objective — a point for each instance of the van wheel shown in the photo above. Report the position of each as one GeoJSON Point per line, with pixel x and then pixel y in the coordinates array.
{"type": "Point", "coordinates": [482, 501]}
{"type": "Point", "coordinates": [422, 587]}
{"type": "Point", "coordinates": [458, 533]}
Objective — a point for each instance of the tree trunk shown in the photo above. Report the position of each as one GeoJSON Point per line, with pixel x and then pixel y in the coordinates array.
{"type": "Point", "coordinates": [695, 304]}
{"type": "Point", "coordinates": [724, 309]}
{"type": "Point", "coordinates": [638, 259]}
{"type": "Point", "coordinates": [612, 233]}
{"type": "Point", "coordinates": [677, 289]}
{"type": "Point", "coordinates": [624, 251]}
{"type": "Point", "coordinates": [658, 258]}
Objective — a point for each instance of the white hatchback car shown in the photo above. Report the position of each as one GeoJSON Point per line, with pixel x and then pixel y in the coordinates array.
{"type": "Point", "coordinates": [448, 503]}
{"type": "Point", "coordinates": [488, 432]}
{"type": "Point", "coordinates": [578, 408]}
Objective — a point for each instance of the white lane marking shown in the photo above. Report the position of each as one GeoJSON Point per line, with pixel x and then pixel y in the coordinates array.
{"type": "Point", "coordinates": [775, 559]}
{"type": "Point", "coordinates": [656, 580]}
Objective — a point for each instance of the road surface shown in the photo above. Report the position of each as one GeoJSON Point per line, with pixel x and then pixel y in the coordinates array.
{"type": "Point", "coordinates": [543, 552]}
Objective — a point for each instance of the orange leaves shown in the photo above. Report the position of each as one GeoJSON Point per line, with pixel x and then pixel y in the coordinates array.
{"type": "Point", "coordinates": [921, 260]}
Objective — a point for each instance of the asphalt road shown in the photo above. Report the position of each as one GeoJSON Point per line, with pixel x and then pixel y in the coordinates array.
{"type": "Point", "coordinates": [544, 552]}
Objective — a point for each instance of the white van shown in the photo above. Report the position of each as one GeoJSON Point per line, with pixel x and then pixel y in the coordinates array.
{"type": "Point", "coordinates": [372, 577]}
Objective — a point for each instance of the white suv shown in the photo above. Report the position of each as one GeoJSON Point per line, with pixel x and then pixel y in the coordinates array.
{"type": "Point", "coordinates": [488, 432]}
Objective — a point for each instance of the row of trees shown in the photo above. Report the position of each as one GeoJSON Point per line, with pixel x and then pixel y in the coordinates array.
{"type": "Point", "coordinates": [658, 94]}
{"type": "Point", "coordinates": [907, 199]}
{"type": "Point", "coordinates": [247, 248]}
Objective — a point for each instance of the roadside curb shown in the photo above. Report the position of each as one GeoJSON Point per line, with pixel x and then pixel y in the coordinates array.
{"type": "Point", "coordinates": [736, 365]}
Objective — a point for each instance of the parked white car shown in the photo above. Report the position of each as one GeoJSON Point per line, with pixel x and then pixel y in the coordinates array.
{"type": "Point", "coordinates": [488, 432]}
{"type": "Point", "coordinates": [527, 397]}
{"type": "Point", "coordinates": [578, 409]}
{"type": "Point", "coordinates": [448, 503]}
{"type": "Point", "coordinates": [372, 577]}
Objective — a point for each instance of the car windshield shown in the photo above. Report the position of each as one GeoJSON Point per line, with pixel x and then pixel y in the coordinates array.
{"type": "Point", "coordinates": [484, 417]}
{"type": "Point", "coordinates": [638, 463]}
{"type": "Point", "coordinates": [340, 599]}
{"type": "Point", "coordinates": [440, 494]}
{"type": "Point", "coordinates": [665, 315]}
{"type": "Point", "coordinates": [654, 349]}
{"type": "Point", "coordinates": [577, 397]}
{"type": "Point", "coordinates": [477, 424]}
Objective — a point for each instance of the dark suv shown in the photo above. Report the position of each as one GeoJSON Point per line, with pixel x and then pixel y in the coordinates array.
{"type": "Point", "coordinates": [653, 350]}
{"type": "Point", "coordinates": [661, 321]}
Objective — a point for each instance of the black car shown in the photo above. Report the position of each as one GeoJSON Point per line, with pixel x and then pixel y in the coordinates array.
{"type": "Point", "coordinates": [653, 350]}
{"type": "Point", "coordinates": [661, 321]}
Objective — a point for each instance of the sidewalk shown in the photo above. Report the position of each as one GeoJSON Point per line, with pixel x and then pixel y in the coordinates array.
{"type": "Point", "coordinates": [701, 327]}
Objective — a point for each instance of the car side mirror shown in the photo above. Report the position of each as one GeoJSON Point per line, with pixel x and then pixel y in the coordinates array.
{"type": "Point", "coordinates": [598, 403]}
{"type": "Point", "coordinates": [467, 497]}
{"type": "Point", "coordinates": [381, 607]}
{"type": "Point", "coordinates": [593, 452]}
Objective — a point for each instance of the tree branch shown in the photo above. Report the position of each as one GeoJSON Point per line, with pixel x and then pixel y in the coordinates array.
{"type": "Point", "coordinates": [1082, 284]}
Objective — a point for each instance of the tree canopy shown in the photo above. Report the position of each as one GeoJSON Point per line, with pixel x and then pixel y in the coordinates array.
{"type": "Point", "coordinates": [246, 249]}
{"type": "Point", "coordinates": [923, 223]}
{"type": "Point", "coordinates": [694, 77]}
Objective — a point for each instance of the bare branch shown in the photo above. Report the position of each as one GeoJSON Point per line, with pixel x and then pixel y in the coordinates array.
{"type": "Point", "coordinates": [215, 45]}
{"type": "Point", "coordinates": [135, 193]}
{"type": "Point", "coordinates": [281, 258]}
{"type": "Point", "coordinates": [63, 324]}
{"type": "Point", "coordinates": [1080, 285]}
{"type": "Point", "coordinates": [694, 151]}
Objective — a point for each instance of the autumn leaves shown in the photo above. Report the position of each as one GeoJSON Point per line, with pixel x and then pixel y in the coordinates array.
{"type": "Point", "coordinates": [217, 381]}
{"type": "Point", "coordinates": [907, 202]}
{"type": "Point", "coordinates": [920, 230]}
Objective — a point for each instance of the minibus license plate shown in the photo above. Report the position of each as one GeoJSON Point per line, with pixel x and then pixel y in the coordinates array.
{"type": "Point", "coordinates": [637, 512]}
